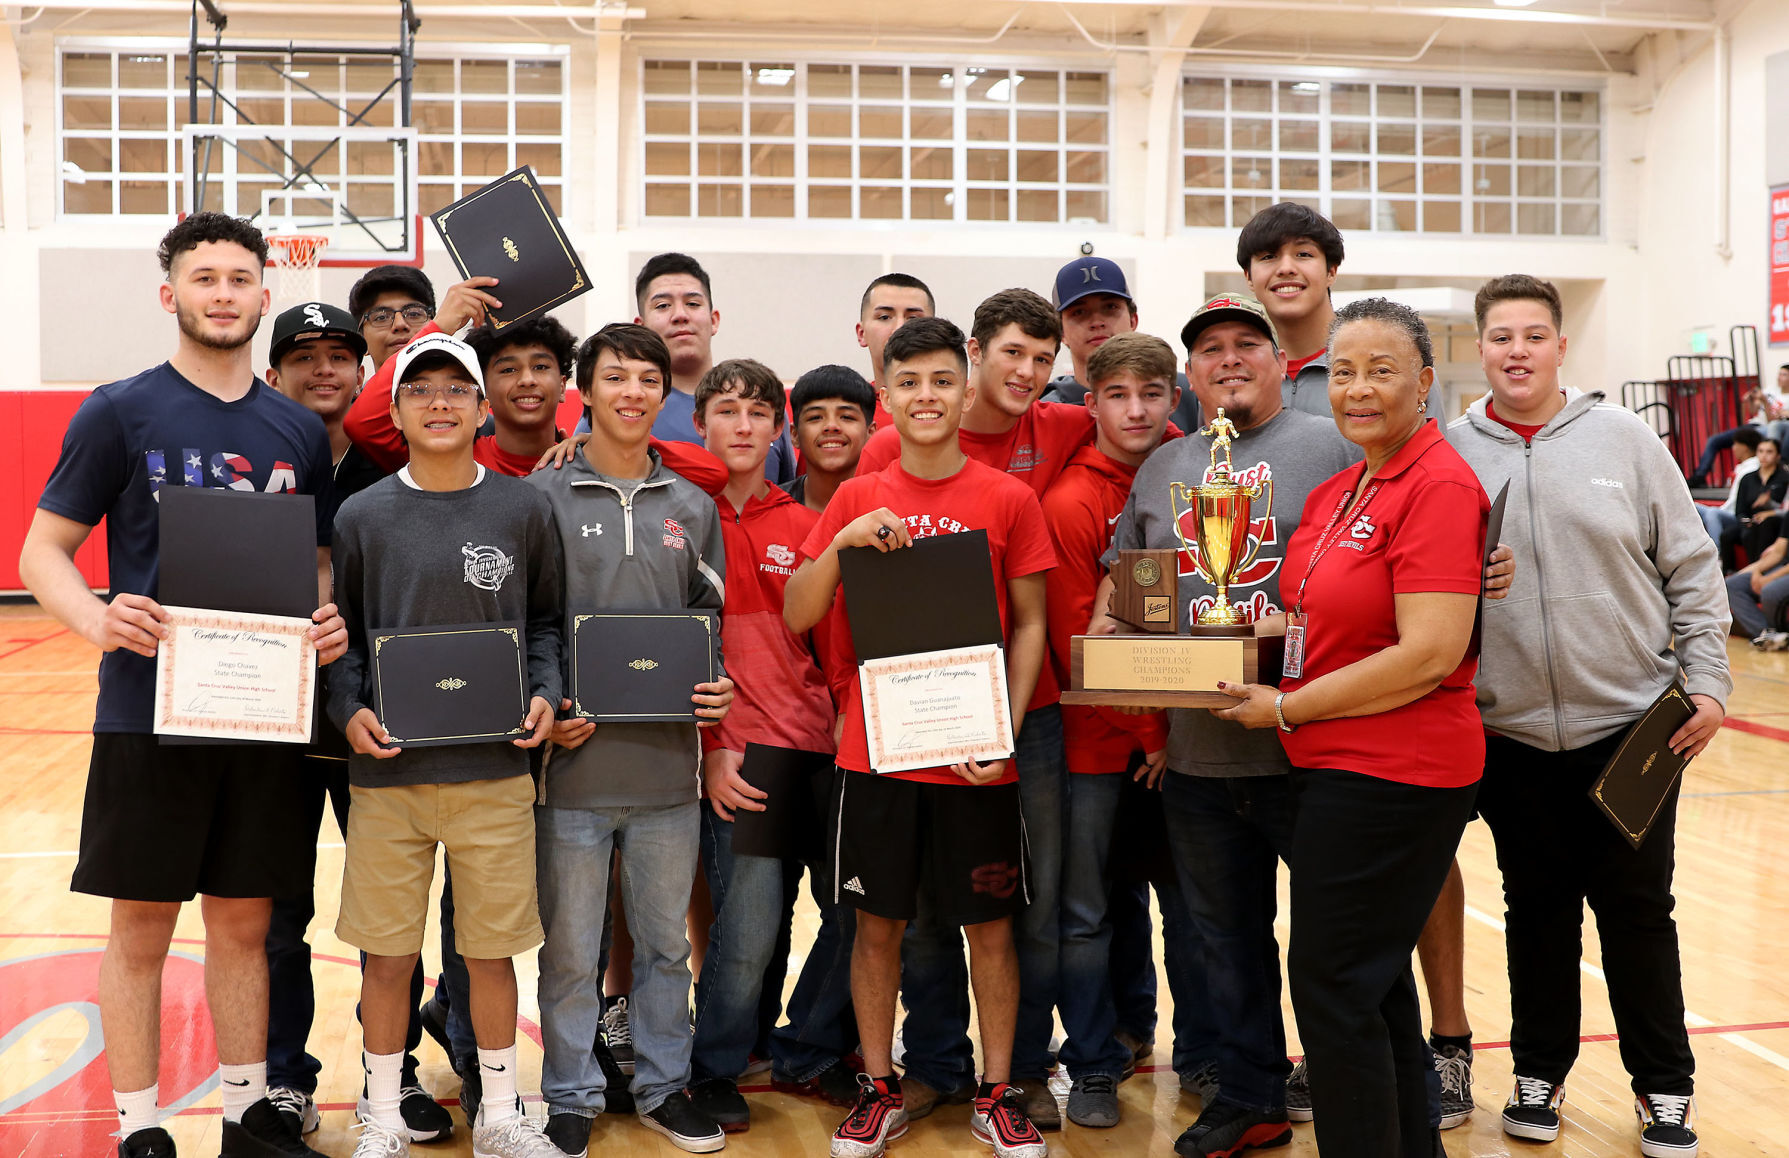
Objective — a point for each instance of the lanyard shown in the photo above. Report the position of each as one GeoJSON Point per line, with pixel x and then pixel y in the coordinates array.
{"type": "Point", "coordinates": [1325, 540]}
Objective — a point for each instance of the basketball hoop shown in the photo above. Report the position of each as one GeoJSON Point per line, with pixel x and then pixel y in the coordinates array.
{"type": "Point", "coordinates": [295, 258]}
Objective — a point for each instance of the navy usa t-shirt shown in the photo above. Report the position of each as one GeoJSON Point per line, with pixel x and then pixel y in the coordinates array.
{"type": "Point", "coordinates": [133, 437]}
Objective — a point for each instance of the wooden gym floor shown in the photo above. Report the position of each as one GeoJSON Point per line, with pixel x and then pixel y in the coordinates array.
{"type": "Point", "coordinates": [55, 1099]}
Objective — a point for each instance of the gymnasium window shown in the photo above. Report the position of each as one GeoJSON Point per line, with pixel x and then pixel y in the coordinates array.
{"type": "Point", "coordinates": [1395, 156]}
{"type": "Point", "coordinates": [811, 141]}
{"type": "Point", "coordinates": [121, 109]}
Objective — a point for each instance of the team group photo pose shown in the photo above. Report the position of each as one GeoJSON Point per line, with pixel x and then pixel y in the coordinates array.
{"type": "Point", "coordinates": [1023, 685]}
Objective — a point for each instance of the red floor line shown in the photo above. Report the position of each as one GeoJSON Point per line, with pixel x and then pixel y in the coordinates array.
{"type": "Point", "coordinates": [1751, 728]}
{"type": "Point", "coordinates": [34, 642]}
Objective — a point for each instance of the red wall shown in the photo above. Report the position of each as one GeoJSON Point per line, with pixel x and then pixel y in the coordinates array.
{"type": "Point", "coordinates": [31, 427]}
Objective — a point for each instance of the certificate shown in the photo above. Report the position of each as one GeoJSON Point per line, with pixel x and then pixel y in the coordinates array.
{"type": "Point", "coordinates": [227, 676]}
{"type": "Point", "coordinates": [936, 708]}
{"type": "Point", "coordinates": [508, 230]}
{"type": "Point", "coordinates": [641, 666]}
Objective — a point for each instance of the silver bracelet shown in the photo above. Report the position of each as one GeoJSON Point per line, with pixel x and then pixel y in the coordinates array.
{"type": "Point", "coordinates": [1280, 714]}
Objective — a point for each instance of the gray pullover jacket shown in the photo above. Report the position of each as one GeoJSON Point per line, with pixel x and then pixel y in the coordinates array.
{"type": "Point", "coordinates": [1617, 585]}
{"type": "Point", "coordinates": [631, 544]}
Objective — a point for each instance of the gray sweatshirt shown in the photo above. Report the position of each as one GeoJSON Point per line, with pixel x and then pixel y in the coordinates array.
{"type": "Point", "coordinates": [1309, 390]}
{"type": "Point", "coordinates": [1617, 585]}
{"type": "Point", "coordinates": [413, 558]}
{"type": "Point", "coordinates": [631, 544]}
{"type": "Point", "coordinates": [1297, 451]}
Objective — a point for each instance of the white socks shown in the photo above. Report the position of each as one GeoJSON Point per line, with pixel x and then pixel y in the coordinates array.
{"type": "Point", "coordinates": [136, 1111]}
{"type": "Point", "coordinates": [384, 1087]}
{"type": "Point", "coordinates": [243, 1086]}
{"type": "Point", "coordinates": [497, 1070]}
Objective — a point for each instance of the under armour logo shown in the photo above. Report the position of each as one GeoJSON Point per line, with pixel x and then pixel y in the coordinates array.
{"type": "Point", "coordinates": [590, 530]}
{"type": "Point", "coordinates": [1090, 273]}
{"type": "Point", "coordinates": [313, 313]}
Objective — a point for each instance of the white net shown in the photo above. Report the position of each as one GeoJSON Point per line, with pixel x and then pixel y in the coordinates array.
{"type": "Point", "coordinates": [295, 257]}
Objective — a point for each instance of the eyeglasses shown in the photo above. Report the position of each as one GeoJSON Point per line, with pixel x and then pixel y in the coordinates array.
{"type": "Point", "coordinates": [457, 393]}
{"type": "Point", "coordinates": [384, 315]}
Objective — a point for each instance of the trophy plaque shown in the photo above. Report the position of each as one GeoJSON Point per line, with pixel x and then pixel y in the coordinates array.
{"type": "Point", "coordinates": [1170, 662]}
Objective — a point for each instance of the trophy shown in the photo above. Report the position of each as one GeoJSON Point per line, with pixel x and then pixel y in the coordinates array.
{"type": "Point", "coordinates": [1177, 659]}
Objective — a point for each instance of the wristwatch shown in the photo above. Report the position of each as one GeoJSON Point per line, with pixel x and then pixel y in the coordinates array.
{"type": "Point", "coordinates": [1280, 714]}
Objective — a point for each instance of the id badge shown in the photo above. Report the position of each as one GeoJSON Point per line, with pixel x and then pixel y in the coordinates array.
{"type": "Point", "coordinates": [1293, 666]}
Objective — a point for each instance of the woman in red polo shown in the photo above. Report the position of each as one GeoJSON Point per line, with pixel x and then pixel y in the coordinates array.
{"type": "Point", "coordinates": [1377, 714]}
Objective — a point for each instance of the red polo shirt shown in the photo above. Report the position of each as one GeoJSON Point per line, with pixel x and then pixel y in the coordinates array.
{"type": "Point", "coordinates": [1422, 529]}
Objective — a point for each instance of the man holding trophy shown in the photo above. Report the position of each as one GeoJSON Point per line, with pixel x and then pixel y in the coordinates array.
{"type": "Point", "coordinates": [1202, 504]}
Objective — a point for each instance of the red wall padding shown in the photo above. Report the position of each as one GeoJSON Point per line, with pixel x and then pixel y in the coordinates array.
{"type": "Point", "coordinates": [31, 426]}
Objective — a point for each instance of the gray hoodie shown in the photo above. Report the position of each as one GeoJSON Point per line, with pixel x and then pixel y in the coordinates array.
{"type": "Point", "coordinates": [1617, 585]}
{"type": "Point", "coordinates": [633, 544]}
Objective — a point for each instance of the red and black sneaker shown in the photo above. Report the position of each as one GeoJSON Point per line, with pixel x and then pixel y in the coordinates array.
{"type": "Point", "coordinates": [877, 1119]}
{"type": "Point", "coordinates": [999, 1121]}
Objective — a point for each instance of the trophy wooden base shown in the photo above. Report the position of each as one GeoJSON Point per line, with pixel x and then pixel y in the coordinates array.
{"type": "Point", "coordinates": [1167, 671]}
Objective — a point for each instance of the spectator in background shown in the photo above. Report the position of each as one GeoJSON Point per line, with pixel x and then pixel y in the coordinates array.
{"type": "Point", "coordinates": [1765, 409]}
{"type": "Point", "coordinates": [1723, 522]}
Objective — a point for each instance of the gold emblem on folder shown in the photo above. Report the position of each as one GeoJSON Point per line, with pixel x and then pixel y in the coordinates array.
{"type": "Point", "coordinates": [643, 664]}
{"type": "Point", "coordinates": [450, 684]}
{"type": "Point", "coordinates": [509, 247]}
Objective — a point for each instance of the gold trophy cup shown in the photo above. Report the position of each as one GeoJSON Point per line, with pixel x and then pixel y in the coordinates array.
{"type": "Point", "coordinates": [1222, 513]}
{"type": "Point", "coordinates": [1168, 664]}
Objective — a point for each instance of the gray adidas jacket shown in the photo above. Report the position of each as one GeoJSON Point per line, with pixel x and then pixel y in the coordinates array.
{"type": "Point", "coordinates": [1617, 585]}
{"type": "Point", "coordinates": [630, 545]}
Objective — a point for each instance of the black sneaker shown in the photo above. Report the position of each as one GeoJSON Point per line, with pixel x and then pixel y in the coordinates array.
{"type": "Point", "coordinates": [618, 1032]}
{"type": "Point", "coordinates": [153, 1142]}
{"type": "Point", "coordinates": [1225, 1128]}
{"type": "Point", "coordinates": [1454, 1066]}
{"type": "Point", "coordinates": [1667, 1125]}
{"type": "Point", "coordinates": [569, 1132]}
{"type": "Point", "coordinates": [1298, 1094]}
{"type": "Point", "coordinates": [618, 1092]}
{"type": "Point", "coordinates": [1533, 1109]}
{"type": "Point", "coordinates": [264, 1132]}
{"type": "Point", "coordinates": [471, 1093]}
{"type": "Point", "coordinates": [425, 1119]}
{"type": "Point", "coordinates": [687, 1127]}
{"type": "Point", "coordinates": [299, 1108]}
{"type": "Point", "coordinates": [434, 1023]}
{"type": "Point", "coordinates": [719, 1100]}
{"type": "Point", "coordinates": [837, 1083]}
{"type": "Point", "coordinates": [1093, 1102]}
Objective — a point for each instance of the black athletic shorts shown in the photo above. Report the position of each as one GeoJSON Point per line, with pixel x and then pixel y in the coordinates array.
{"type": "Point", "coordinates": [167, 823]}
{"type": "Point", "coordinates": [962, 848]}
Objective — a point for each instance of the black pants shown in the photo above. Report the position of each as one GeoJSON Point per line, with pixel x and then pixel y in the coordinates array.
{"type": "Point", "coordinates": [1556, 850]}
{"type": "Point", "coordinates": [1369, 857]}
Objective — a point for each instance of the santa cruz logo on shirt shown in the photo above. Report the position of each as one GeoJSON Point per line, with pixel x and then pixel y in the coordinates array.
{"type": "Point", "coordinates": [926, 526]}
{"type": "Point", "coordinates": [1262, 529]}
{"type": "Point", "coordinates": [487, 567]}
{"type": "Point", "coordinates": [674, 536]}
{"type": "Point", "coordinates": [1023, 458]}
{"type": "Point", "coordinates": [1362, 530]}
{"type": "Point", "coordinates": [778, 560]}
{"type": "Point", "coordinates": [224, 470]}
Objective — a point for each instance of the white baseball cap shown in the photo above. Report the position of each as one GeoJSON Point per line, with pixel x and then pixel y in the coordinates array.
{"type": "Point", "coordinates": [437, 344]}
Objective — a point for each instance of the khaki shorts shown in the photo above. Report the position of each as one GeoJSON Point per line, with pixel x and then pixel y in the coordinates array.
{"type": "Point", "coordinates": [487, 828]}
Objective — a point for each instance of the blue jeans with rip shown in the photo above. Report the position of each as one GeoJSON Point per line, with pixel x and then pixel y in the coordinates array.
{"type": "Point", "coordinates": [1228, 836]}
{"type": "Point", "coordinates": [659, 847]}
{"type": "Point", "coordinates": [934, 978]}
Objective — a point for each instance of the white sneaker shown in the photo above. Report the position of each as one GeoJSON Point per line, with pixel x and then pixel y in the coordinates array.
{"type": "Point", "coordinates": [377, 1141]}
{"type": "Point", "coordinates": [517, 1137]}
{"type": "Point", "coordinates": [1772, 641]}
{"type": "Point", "coordinates": [297, 1106]}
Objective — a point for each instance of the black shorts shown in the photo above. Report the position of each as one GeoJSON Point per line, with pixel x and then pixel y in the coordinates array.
{"type": "Point", "coordinates": [894, 841]}
{"type": "Point", "coordinates": [167, 823]}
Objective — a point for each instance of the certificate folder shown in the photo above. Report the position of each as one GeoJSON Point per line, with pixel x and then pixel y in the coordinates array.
{"type": "Point", "coordinates": [508, 231]}
{"type": "Point", "coordinates": [1635, 781]}
{"type": "Point", "coordinates": [641, 666]}
{"type": "Point", "coordinates": [793, 823]}
{"type": "Point", "coordinates": [952, 577]}
{"type": "Point", "coordinates": [464, 684]}
{"type": "Point", "coordinates": [241, 551]}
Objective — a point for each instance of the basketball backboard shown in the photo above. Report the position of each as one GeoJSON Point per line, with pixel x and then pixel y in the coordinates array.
{"type": "Point", "coordinates": [355, 186]}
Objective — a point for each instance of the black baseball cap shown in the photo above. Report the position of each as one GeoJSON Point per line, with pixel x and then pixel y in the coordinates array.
{"type": "Point", "coordinates": [312, 320]}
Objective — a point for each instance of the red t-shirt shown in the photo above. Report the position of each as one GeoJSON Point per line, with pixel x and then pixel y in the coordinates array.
{"type": "Point", "coordinates": [1422, 529]}
{"type": "Point", "coordinates": [1527, 432]}
{"type": "Point", "coordinates": [1294, 365]}
{"type": "Point", "coordinates": [975, 498]}
{"type": "Point", "coordinates": [1034, 451]}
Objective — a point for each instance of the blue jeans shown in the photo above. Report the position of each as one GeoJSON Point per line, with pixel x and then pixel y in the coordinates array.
{"type": "Point", "coordinates": [659, 847]}
{"type": "Point", "coordinates": [822, 1024]}
{"type": "Point", "coordinates": [1089, 1014]}
{"type": "Point", "coordinates": [1753, 614]}
{"type": "Point", "coordinates": [291, 996]}
{"type": "Point", "coordinates": [1228, 836]}
{"type": "Point", "coordinates": [748, 896]}
{"type": "Point", "coordinates": [934, 979]}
